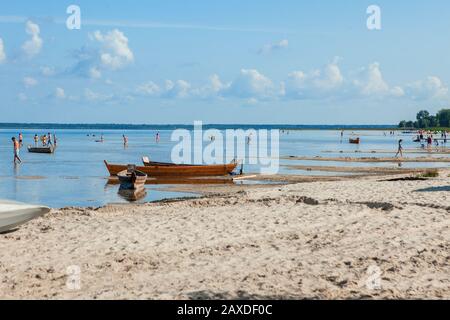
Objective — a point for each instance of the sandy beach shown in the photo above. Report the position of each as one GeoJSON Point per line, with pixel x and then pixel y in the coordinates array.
{"type": "Point", "coordinates": [318, 240]}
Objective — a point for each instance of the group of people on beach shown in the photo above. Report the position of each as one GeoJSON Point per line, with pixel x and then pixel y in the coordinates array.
{"type": "Point", "coordinates": [430, 137]}
{"type": "Point", "coordinates": [46, 139]}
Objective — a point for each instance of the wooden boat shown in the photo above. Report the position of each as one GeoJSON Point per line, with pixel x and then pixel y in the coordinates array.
{"type": "Point", "coordinates": [154, 169]}
{"type": "Point", "coordinates": [14, 214]}
{"type": "Point", "coordinates": [166, 180]}
{"type": "Point", "coordinates": [49, 149]}
{"type": "Point", "coordinates": [132, 179]}
{"type": "Point", "coordinates": [354, 141]}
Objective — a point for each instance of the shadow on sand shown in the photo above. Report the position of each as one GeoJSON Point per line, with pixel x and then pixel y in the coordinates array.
{"type": "Point", "coordinates": [434, 189]}
{"type": "Point", "coordinates": [238, 295]}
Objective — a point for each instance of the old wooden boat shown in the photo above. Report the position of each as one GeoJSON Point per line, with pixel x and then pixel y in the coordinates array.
{"type": "Point", "coordinates": [354, 141]}
{"type": "Point", "coordinates": [49, 149]}
{"type": "Point", "coordinates": [154, 169]}
{"type": "Point", "coordinates": [14, 214]}
{"type": "Point", "coordinates": [131, 179]}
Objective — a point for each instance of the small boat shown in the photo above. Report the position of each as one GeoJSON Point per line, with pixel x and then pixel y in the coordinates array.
{"type": "Point", "coordinates": [49, 149]}
{"type": "Point", "coordinates": [14, 214]}
{"type": "Point", "coordinates": [164, 169]}
{"type": "Point", "coordinates": [354, 141]}
{"type": "Point", "coordinates": [132, 179]}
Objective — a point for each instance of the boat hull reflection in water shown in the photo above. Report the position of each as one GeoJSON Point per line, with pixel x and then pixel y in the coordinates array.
{"type": "Point", "coordinates": [132, 195]}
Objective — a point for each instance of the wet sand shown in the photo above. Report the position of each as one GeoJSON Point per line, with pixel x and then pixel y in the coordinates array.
{"type": "Point", "coordinates": [371, 159]}
{"type": "Point", "coordinates": [439, 150]}
{"type": "Point", "coordinates": [318, 240]}
{"type": "Point", "coordinates": [367, 170]}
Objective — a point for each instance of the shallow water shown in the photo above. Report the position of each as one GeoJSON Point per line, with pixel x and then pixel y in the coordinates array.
{"type": "Point", "coordinates": [76, 176]}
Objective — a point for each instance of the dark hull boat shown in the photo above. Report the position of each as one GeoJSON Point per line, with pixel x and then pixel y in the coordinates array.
{"type": "Point", "coordinates": [49, 149]}
{"type": "Point", "coordinates": [134, 180]}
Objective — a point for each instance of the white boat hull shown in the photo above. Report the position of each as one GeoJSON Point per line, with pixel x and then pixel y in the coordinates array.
{"type": "Point", "coordinates": [14, 214]}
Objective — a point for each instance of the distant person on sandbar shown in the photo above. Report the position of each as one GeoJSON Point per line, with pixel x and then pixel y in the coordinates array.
{"type": "Point", "coordinates": [400, 149]}
{"type": "Point", "coordinates": [36, 140]}
{"type": "Point", "coordinates": [20, 139]}
{"type": "Point", "coordinates": [16, 147]}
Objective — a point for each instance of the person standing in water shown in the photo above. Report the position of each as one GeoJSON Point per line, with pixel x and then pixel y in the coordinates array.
{"type": "Point", "coordinates": [249, 138]}
{"type": "Point", "coordinates": [54, 139]}
{"type": "Point", "coordinates": [125, 140]}
{"type": "Point", "coordinates": [49, 138]}
{"type": "Point", "coordinates": [16, 147]}
{"type": "Point", "coordinates": [20, 139]}
{"type": "Point", "coordinates": [400, 149]}
{"type": "Point", "coordinates": [157, 137]}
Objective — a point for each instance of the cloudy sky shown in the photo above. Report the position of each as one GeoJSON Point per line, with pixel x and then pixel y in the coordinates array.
{"type": "Point", "coordinates": [223, 61]}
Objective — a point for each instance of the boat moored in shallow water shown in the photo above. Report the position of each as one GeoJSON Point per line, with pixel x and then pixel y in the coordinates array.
{"type": "Point", "coordinates": [161, 169]}
{"type": "Point", "coordinates": [132, 179]}
{"type": "Point", "coordinates": [49, 149]}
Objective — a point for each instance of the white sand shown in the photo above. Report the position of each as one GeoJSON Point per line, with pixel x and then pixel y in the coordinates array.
{"type": "Point", "coordinates": [263, 243]}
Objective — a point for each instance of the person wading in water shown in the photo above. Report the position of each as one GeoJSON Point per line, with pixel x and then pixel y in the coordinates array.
{"type": "Point", "coordinates": [400, 149]}
{"type": "Point", "coordinates": [16, 146]}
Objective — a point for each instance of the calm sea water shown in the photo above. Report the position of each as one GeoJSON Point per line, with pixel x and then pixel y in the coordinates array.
{"type": "Point", "coordinates": [76, 176]}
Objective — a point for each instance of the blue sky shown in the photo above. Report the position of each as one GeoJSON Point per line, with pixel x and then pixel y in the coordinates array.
{"type": "Point", "coordinates": [293, 62]}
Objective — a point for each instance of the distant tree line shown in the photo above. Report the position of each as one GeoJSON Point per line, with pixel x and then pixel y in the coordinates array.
{"type": "Point", "coordinates": [426, 120]}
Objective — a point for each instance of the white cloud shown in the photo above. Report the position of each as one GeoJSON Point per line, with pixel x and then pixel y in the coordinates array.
{"type": "Point", "coordinates": [2, 52]}
{"type": "Point", "coordinates": [430, 88]}
{"type": "Point", "coordinates": [274, 46]}
{"type": "Point", "coordinates": [251, 84]}
{"type": "Point", "coordinates": [34, 45]}
{"type": "Point", "coordinates": [328, 82]}
{"type": "Point", "coordinates": [315, 84]}
{"type": "Point", "coordinates": [115, 52]}
{"type": "Point", "coordinates": [29, 82]}
{"type": "Point", "coordinates": [178, 89]}
{"type": "Point", "coordinates": [95, 73]}
{"type": "Point", "coordinates": [214, 88]}
{"type": "Point", "coordinates": [370, 82]}
{"type": "Point", "coordinates": [149, 89]}
{"type": "Point", "coordinates": [216, 84]}
{"type": "Point", "coordinates": [95, 96]}
{"type": "Point", "coordinates": [48, 71]}
{"type": "Point", "coordinates": [22, 97]}
{"type": "Point", "coordinates": [60, 93]}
